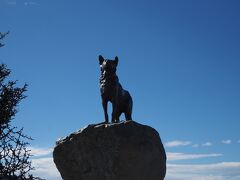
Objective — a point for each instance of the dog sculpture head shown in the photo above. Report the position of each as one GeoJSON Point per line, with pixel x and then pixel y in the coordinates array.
{"type": "Point", "coordinates": [108, 66]}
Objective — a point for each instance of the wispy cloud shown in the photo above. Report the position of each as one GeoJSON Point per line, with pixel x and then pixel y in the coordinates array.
{"type": "Point", "coordinates": [43, 163]}
{"type": "Point", "coordinates": [45, 168]}
{"type": "Point", "coordinates": [182, 156]}
{"type": "Point", "coordinates": [177, 143]}
{"type": "Point", "coordinates": [216, 171]}
{"type": "Point", "coordinates": [207, 144]}
{"type": "Point", "coordinates": [195, 145]}
{"type": "Point", "coordinates": [31, 3]}
{"type": "Point", "coordinates": [40, 151]}
{"type": "Point", "coordinates": [10, 2]}
{"type": "Point", "coordinates": [15, 2]}
{"type": "Point", "coordinates": [227, 141]}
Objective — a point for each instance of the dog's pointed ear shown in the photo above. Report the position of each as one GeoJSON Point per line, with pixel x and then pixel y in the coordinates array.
{"type": "Point", "coordinates": [101, 59]}
{"type": "Point", "coordinates": [116, 60]}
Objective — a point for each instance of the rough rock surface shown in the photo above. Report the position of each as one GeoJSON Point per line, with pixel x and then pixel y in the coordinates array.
{"type": "Point", "coordinates": [121, 151]}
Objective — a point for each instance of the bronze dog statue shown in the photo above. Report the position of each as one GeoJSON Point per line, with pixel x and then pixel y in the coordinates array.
{"type": "Point", "coordinates": [111, 90]}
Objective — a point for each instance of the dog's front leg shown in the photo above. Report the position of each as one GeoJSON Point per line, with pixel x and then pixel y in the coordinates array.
{"type": "Point", "coordinates": [115, 110]}
{"type": "Point", "coordinates": [104, 104]}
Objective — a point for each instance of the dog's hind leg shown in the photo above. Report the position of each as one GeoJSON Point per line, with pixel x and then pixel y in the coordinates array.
{"type": "Point", "coordinates": [128, 116]}
{"type": "Point", "coordinates": [128, 112]}
{"type": "Point", "coordinates": [118, 116]}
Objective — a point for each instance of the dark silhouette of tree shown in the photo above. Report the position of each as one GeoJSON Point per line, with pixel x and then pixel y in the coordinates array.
{"type": "Point", "coordinates": [2, 35]}
{"type": "Point", "coordinates": [15, 161]}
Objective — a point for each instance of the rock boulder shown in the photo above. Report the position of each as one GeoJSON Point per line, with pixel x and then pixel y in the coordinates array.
{"type": "Point", "coordinates": [120, 151]}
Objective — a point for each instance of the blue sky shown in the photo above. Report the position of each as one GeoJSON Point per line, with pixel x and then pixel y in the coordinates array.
{"type": "Point", "coordinates": [179, 60]}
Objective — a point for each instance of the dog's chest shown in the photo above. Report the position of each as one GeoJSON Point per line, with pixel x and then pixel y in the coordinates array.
{"type": "Point", "coordinates": [108, 81]}
{"type": "Point", "coordinates": [108, 84]}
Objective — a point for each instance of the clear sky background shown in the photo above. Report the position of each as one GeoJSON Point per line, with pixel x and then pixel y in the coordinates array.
{"type": "Point", "coordinates": [180, 61]}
